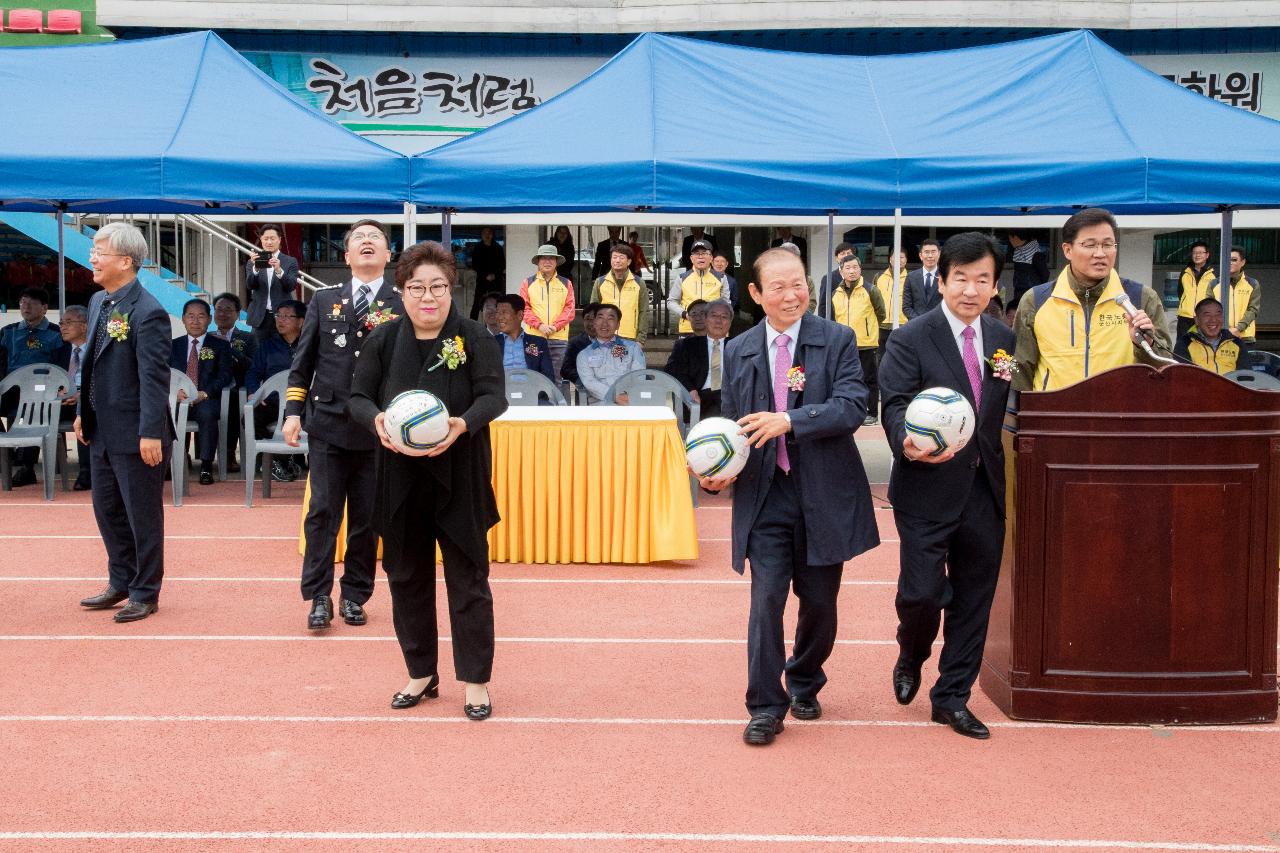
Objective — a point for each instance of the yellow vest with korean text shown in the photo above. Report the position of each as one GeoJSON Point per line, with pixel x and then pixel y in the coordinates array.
{"type": "Point", "coordinates": [698, 285]}
{"type": "Point", "coordinates": [1194, 289]}
{"type": "Point", "coordinates": [882, 284]}
{"type": "Point", "coordinates": [852, 308]}
{"type": "Point", "coordinates": [1240, 295]}
{"type": "Point", "coordinates": [627, 298]}
{"type": "Point", "coordinates": [547, 301]}
{"type": "Point", "coordinates": [1222, 360]}
{"type": "Point", "coordinates": [1074, 347]}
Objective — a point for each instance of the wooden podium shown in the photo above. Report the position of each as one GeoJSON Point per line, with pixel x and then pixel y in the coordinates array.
{"type": "Point", "coordinates": [1139, 577]}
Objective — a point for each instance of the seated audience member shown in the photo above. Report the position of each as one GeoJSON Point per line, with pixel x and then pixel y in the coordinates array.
{"type": "Point", "coordinates": [488, 312]}
{"type": "Point", "coordinates": [620, 287]}
{"type": "Point", "coordinates": [32, 340]}
{"type": "Point", "coordinates": [272, 356]}
{"type": "Point", "coordinates": [608, 357]}
{"type": "Point", "coordinates": [75, 334]}
{"type": "Point", "coordinates": [696, 317]}
{"type": "Point", "coordinates": [520, 349]}
{"type": "Point", "coordinates": [580, 342]}
{"type": "Point", "coordinates": [206, 359]}
{"type": "Point", "coordinates": [1206, 344]}
{"type": "Point", "coordinates": [226, 313]}
{"type": "Point", "coordinates": [697, 361]}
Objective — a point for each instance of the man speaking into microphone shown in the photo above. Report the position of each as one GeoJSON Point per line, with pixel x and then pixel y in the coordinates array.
{"type": "Point", "coordinates": [1078, 326]}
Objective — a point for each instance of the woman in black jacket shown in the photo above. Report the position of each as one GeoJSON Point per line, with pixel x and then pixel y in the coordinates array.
{"type": "Point", "coordinates": [445, 497]}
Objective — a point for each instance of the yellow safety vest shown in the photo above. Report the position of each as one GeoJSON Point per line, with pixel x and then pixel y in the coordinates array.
{"type": "Point", "coordinates": [882, 284]}
{"type": "Point", "coordinates": [1194, 289]}
{"type": "Point", "coordinates": [852, 308]}
{"type": "Point", "coordinates": [627, 298]}
{"type": "Point", "coordinates": [1073, 348]}
{"type": "Point", "coordinates": [547, 301]}
{"type": "Point", "coordinates": [704, 286]}
{"type": "Point", "coordinates": [1224, 359]}
{"type": "Point", "coordinates": [1240, 294]}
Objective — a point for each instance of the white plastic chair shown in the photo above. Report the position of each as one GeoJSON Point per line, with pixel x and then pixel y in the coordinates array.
{"type": "Point", "coordinates": [267, 447]}
{"type": "Point", "coordinates": [649, 387]}
{"type": "Point", "coordinates": [525, 387]}
{"type": "Point", "coordinates": [41, 390]}
{"type": "Point", "coordinates": [183, 426]}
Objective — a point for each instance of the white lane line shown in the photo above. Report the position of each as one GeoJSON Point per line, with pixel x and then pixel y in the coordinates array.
{"type": "Point", "coordinates": [200, 537]}
{"type": "Point", "coordinates": [303, 638]}
{"type": "Point", "coordinates": [1266, 728]}
{"type": "Point", "coordinates": [572, 581]}
{"type": "Point", "coordinates": [700, 837]}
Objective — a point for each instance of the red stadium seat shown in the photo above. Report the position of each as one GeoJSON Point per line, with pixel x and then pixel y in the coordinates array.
{"type": "Point", "coordinates": [25, 21]}
{"type": "Point", "coordinates": [64, 21]}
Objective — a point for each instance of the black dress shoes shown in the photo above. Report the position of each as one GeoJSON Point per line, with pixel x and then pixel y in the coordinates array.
{"type": "Point", "coordinates": [81, 485]}
{"type": "Point", "coordinates": [805, 709]}
{"type": "Point", "coordinates": [23, 477]}
{"type": "Point", "coordinates": [906, 681]}
{"type": "Point", "coordinates": [107, 598]}
{"type": "Point", "coordinates": [400, 701]}
{"type": "Point", "coordinates": [352, 613]}
{"type": "Point", "coordinates": [962, 722]}
{"type": "Point", "coordinates": [206, 477]}
{"type": "Point", "coordinates": [135, 610]}
{"type": "Point", "coordinates": [321, 613]}
{"type": "Point", "coordinates": [762, 729]}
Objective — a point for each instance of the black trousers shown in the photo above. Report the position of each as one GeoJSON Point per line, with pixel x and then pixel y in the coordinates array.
{"type": "Point", "coordinates": [869, 359]}
{"type": "Point", "coordinates": [413, 598]}
{"type": "Point", "coordinates": [776, 549]}
{"type": "Point", "coordinates": [949, 567]}
{"type": "Point", "coordinates": [710, 406]}
{"type": "Point", "coordinates": [340, 478]}
{"type": "Point", "coordinates": [128, 502]}
{"type": "Point", "coordinates": [207, 415]}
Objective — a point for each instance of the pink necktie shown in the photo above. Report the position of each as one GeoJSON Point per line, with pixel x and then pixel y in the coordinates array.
{"type": "Point", "coordinates": [781, 364]}
{"type": "Point", "coordinates": [972, 367]}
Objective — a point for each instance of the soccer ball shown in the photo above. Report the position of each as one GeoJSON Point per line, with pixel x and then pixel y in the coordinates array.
{"type": "Point", "coordinates": [416, 421]}
{"type": "Point", "coordinates": [714, 448]}
{"type": "Point", "coordinates": [941, 418]}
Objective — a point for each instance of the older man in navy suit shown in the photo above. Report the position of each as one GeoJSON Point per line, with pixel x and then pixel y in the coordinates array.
{"type": "Point", "coordinates": [802, 505]}
{"type": "Point", "coordinates": [208, 361]}
{"type": "Point", "coordinates": [123, 415]}
{"type": "Point", "coordinates": [949, 508]}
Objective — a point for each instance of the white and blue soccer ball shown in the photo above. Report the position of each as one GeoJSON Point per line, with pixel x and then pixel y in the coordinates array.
{"type": "Point", "coordinates": [939, 419]}
{"type": "Point", "coordinates": [714, 448]}
{"type": "Point", "coordinates": [416, 421]}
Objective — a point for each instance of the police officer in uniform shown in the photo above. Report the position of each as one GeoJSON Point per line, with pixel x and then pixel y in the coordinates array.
{"type": "Point", "coordinates": [341, 451]}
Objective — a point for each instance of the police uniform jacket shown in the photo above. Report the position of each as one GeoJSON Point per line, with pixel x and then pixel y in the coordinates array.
{"type": "Point", "coordinates": [320, 379]}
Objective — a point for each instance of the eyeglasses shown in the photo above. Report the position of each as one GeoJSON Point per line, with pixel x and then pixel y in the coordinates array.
{"type": "Point", "coordinates": [1093, 246]}
{"type": "Point", "coordinates": [286, 316]}
{"type": "Point", "coordinates": [95, 252]}
{"type": "Point", "coordinates": [368, 235]}
{"type": "Point", "coordinates": [417, 291]}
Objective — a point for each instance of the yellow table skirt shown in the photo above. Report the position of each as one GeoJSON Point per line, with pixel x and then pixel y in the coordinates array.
{"type": "Point", "coordinates": [585, 490]}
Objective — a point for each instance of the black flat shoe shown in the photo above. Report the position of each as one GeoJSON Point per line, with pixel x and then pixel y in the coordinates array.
{"type": "Point", "coordinates": [805, 709]}
{"type": "Point", "coordinates": [352, 613]}
{"type": "Point", "coordinates": [762, 729]}
{"type": "Point", "coordinates": [400, 701]}
{"type": "Point", "coordinates": [906, 681]}
{"type": "Point", "coordinates": [478, 712]}
{"type": "Point", "coordinates": [962, 722]}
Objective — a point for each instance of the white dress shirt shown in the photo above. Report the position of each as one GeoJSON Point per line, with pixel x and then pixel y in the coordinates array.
{"type": "Point", "coordinates": [371, 290]}
{"type": "Point", "coordinates": [271, 271]}
{"type": "Point", "coordinates": [957, 330]}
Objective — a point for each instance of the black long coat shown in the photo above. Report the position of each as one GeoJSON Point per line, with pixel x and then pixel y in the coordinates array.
{"type": "Point", "coordinates": [464, 505]}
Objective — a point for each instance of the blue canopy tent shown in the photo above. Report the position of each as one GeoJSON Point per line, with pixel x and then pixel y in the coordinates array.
{"type": "Point", "coordinates": [691, 126]}
{"type": "Point", "coordinates": [176, 124]}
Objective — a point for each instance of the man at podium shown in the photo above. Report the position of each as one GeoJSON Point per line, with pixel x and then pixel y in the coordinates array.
{"type": "Point", "coordinates": [1077, 326]}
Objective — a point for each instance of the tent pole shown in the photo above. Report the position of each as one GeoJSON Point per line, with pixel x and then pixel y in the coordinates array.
{"type": "Point", "coordinates": [446, 229]}
{"type": "Point", "coordinates": [824, 310]}
{"type": "Point", "coordinates": [1224, 268]}
{"type": "Point", "coordinates": [895, 306]}
{"type": "Point", "coordinates": [410, 225]}
{"type": "Point", "coordinates": [62, 262]}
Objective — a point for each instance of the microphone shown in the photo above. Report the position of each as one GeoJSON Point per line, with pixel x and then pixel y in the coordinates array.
{"type": "Point", "coordinates": [1147, 338]}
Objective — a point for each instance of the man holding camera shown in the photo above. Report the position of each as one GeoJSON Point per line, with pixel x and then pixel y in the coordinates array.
{"type": "Point", "coordinates": [270, 278]}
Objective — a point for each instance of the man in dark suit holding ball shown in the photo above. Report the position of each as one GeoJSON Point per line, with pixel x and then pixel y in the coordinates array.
{"type": "Point", "coordinates": [802, 505]}
{"type": "Point", "coordinates": [949, 508]}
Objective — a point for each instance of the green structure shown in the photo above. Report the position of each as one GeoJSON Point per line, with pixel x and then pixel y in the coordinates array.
{"type": "Point", "coordinates": [90, 32]}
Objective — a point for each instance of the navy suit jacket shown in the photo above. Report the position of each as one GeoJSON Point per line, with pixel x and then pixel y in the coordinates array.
{"type": "Point", "coordinates": [130, 379]}
{"type": "Point", "coordinates": [917, 300]}
{"type": "Point", "coordinates": [540, 362]}
{"type": "Point", "coordinates": [923, 354]}
{"type": "Point", "coordinates": [835, 497]}
{"type": "Point", "coordinates": [282, 287]}
{"type": "Point", "coordinates": [215, 373]}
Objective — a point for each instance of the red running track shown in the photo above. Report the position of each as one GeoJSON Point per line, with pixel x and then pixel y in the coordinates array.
{"type": "Point", "coordinates": [221, 724]}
